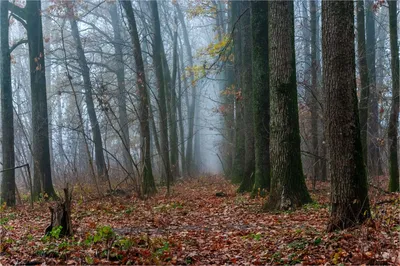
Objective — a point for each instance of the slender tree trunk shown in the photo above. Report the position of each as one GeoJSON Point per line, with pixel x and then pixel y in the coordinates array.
{"type": "Point", "coordinates": [259, 23]}
{"type": "Point", "coordinates": [239, 148]}
{"type": "Point", "coordinates": [157, 60]}
{"type": "Point", "coordinates": [350, 204]}
{"type": "Point", "coordinates": [173, 119]}
{"type": "Point", "coordinates": [314, 91]}
{"type": "Point", "coordinates": [394, 112]}
{"type": "Point", "coordinates": [102, 171]}
{"type": "Point", "coordinates": [374, 158]}
{"type": "Point", "coordinates": [120, 73]}
{"type": "Point", "coordinates": [181, 127]}
{"type": "Point", "coordinates": [363, 68]}
{"type": "Point", "coordinates": [40, 125]}
{"type": "Point", "coordinates": [7, 114]}
{"type": "Point", "coordinates": [249, 164]}
{"type": "Point", "coordinates": [192, 109]}
{"type": "Point", "coordinates": [288, 188]}
{"type": "Point", "coordinates": [149, 187]}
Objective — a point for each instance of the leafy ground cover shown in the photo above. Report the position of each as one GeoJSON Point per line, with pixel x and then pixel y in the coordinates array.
{"type": "Point", "coordinates": [195, 226]}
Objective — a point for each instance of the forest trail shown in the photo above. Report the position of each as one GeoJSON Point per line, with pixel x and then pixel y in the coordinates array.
{"type": "Point", "coordinates": [194, 226]}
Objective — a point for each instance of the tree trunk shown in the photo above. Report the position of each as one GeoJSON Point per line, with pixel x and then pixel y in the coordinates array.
{"type": "Point", "coordinates": [259, 23]}
{"type": "Point", "coordinates": [288, 188]}
{"type": "Point", "coordinates": [40, 125]}
{"type": "Point", "coordinates": [249, 164]}
{"type": "Point", "coordinates": [394, 112]}
{"type": "Point", "coordinates": [350, 204]}
{"type": "Point", "coordinates": [149, 187]}
{"type": "Point", "coordinates": [374, 158]}
{"type": "Point", "coordinates": [192, 109]}
{"type": "Point", "coordinates": [157, 60]}
{"type": "Point", "coordinates": [363, 68]}
{"type": "Point", "coordinates": [7, 114]}
{"type": "Point", "coordinates": [239, 146]}
{"type": "Point", "coordinates": [120, 73]}
{"type": "Point", "coordinates": [87, 84]}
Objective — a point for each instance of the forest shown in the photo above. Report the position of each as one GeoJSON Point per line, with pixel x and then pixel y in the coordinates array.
{"type": "Point", "coordinates": [205, 132]}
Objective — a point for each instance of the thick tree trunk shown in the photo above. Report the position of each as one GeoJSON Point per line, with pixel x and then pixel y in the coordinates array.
{"type": "Point", "coordinates": [7, 114]}
{"type": "Point", "coordinates": [350, 204]}
{"type": "Point", "coordinates": [374, 158]}
{"type": "Point", "coordinates": [394, 112]}
{"type": "Point", "coordinates": [259, 23]}
{"type": "Point", "coordinates": [158, 63]}
{"type": "Point", "coordinates": [288, 188]}
{"type": "Point", "coordinates": [120, 73]}
{"type": "Point", "coordinates": [40, 125]}
{"type": "Point", "coordinates": [149, 187]}
{"type": "Point", "coordinates": [249, 164]}
{"type": "Point", "coordinates": [363, 68]}
{"type": "Point", "coordinates": [87, 84]}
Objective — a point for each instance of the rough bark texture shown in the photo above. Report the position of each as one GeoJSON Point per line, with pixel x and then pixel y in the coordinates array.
{"type": "Point", "coordinates": [149, 187]}
{"type": "Point", "coordinates": [7, 115]}
{"type": "Point", "coordinates": [374, 158]}
{"type": "Point", "coordinates": [364, 78]}
{"type": "Point", "coordinates": [349, 193]}
{"type": "Point", "coordinates": [157, 60]}
{"type": "Point", "coordinates": [120, 73]}
{"type": "Point", "coordinates": [288, 188]}
{"type": "Point", "coordinates": [259, 24]}
{"type": "Point", "coordinates": [249, 162]}
{"type": "Point", "coordinates": [61, 216]}
{"type": "Point", "coordinates": [42, 181]}
{"type": "Point", "coordinates": [394, 112]}
{"type": "Point", "coordinates": [239, 150]}
{"type": "Point", "coordinates": [102, 171]}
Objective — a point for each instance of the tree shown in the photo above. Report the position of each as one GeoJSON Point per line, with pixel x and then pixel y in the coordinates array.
{"type": "Point", "coordinates": [7, 115]}
{"type": "Point", "coordinates": [149, 187]}
{"type": "Point", "coordinates": [288, 188]}
{"type": "Point", "coordinates": [102, 171]}
{"type": "Point", "coordinates": [158, 63]}
{"type": "Point", "coordinates": [120, 73]}
{"type": "Point", "coordinates": [259, 29]}
{"type": "Point", "coordinates": [314, 89]}
{"type": "Point", "coordinates": [364, 78]}
{"type": "Point", "coordinates": [192, 109]}
{"type": "Point", "coordinates": [394, 111]}
{"type": "Point", "coordinates": [247, 92]}
{"type": "Point", "coordinates": [30, 17]}
{"type": "Point", "coordinates": [350, 204]}
{"type": "Point", "coordinates": [239, 143]}
{"type": "Point", "coordinates": [374, 158]}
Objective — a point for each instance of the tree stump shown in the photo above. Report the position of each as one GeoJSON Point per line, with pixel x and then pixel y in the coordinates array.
{"type": "Point", "coordinates": [61, 215]}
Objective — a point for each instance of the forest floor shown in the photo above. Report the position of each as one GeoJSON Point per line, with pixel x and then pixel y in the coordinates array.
{"type": "Point", "coordinates": [195, 226]}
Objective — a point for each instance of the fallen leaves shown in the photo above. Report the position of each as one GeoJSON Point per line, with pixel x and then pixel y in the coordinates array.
{"type": "Point", "coordinates": [194, 226]}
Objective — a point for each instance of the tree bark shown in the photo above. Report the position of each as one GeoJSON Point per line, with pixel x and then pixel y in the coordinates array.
{"type": "Point", "coordinates": [364, 77]}
{"type": "Point", "coordinates": [7, 114]}
{"type": "Point", "coordinates": [288, 188]}
{"type": "Point", "coordinates": [158, 63]}
{"type": "Point", "coordinates": [350, 204]}
{"type": "Point", "coordinates": [394, 111]}
{"type": "Point", "coordinates": [239, 145]}
{"type": "Point", "coordinates": [249, 164]}
{"type": "Point", "coordinates": [374, 158]}
{"type": "Point", "coordinates": [259, 23]}
{"type": "Point", "coordinates": [40, 125]}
